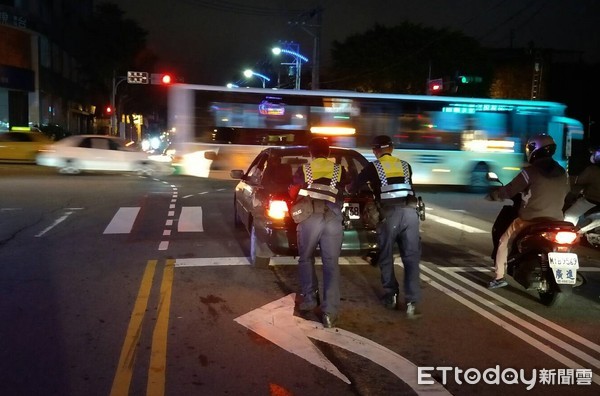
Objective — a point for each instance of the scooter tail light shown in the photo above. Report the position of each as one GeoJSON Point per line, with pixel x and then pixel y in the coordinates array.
{"type": "Point", "coordinates": [565, 237]}
{"type": "Point", "coordinates": [278, 209]}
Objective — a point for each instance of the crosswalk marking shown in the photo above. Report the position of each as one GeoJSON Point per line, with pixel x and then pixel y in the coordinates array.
{"type": "Point", "coordinates": [122, 221]}
{"type": "Point", "coordinates": [190, 219]}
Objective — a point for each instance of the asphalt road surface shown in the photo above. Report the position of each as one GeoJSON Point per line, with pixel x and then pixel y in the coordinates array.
{"type": "Point", "coordinates": [126, 285]}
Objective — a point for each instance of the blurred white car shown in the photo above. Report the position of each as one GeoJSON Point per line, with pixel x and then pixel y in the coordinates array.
{"type": "Point", "coordinates": [78, 153]}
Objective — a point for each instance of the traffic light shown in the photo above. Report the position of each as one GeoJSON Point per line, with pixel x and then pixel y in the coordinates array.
{"type": "Point", "coordinates": [469, 79]}
{"type": "Point", "coordinates": [435, 86]}
{"type": "Point", "coordinates": [161, 78]}
{"type": "Point", "coordinates": [108, 110]}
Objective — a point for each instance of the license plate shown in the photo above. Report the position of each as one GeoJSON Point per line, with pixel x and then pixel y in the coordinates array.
{"type": "Point", "coordinates": [564, 266]}
{"type": "Point", "coordinates": [352, 209]}
{"type": "Point", "coordinates": [566, 260]}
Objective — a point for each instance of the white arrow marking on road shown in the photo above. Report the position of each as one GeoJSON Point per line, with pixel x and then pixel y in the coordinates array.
{"type": "Point", "coordinates": [276, 322]}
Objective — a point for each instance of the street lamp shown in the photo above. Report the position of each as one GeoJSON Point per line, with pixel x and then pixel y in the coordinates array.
{"type": "Point", "coordinates": [248, 73]}
{"type": "Point", "coordinates": [292, 50]}
{"type": "Point", "coordinates": [113, 117]}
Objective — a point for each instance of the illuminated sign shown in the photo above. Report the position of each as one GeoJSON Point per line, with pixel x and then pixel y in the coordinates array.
{"type": "Point", "coordinates": [266, 107]}
{"type": "Point", "coordinates": [484, 107]}
{"type": "Point", "coordinates": [340, 105]}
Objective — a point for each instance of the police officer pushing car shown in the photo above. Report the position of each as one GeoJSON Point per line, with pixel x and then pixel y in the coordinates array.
{"type": "Point", "coordinates": [321, 185]}
{"type": "Point", "coordinates": [390, 180]}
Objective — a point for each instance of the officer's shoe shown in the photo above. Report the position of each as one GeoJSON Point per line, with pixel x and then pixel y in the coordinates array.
{"type": "Point", "coordinates": [412, 311]}
{"type": "Point", "coordinates": [309, 302]}
{"type": "Point", "coordinates": [328, 320]}
{"type": "Point", "coordinates": [390, 301]}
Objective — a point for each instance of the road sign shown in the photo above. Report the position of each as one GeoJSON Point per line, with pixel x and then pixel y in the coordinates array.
{"type": "Point", "coordinates": [135, 77]}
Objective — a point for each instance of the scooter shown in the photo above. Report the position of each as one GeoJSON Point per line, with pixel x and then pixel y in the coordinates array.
{"type": "Point", "coordinates": [541, 256]}
{"type": "Point", "coordinates": [588, 226]}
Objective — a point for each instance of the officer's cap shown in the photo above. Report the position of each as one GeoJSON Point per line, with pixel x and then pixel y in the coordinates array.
{"type": "Point", "coordinates": [381, 141]}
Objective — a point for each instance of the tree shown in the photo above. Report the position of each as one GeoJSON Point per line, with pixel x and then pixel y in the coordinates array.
{"type": "Point", "coordinates": [400, 59]}
{"type": "Point", "coordinates": [109, 44]}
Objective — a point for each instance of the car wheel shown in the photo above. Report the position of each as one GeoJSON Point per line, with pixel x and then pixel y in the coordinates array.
{"type": "Point", "coordinates": [69, 167]}
{"type": "Point", "coordinates": [144, 169]}
{"type": "Point", "coordinates": [260, 254]}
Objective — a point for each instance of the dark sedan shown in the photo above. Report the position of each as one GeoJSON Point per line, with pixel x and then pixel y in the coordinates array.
{"type": "Point", "coordinates": [262, 203]}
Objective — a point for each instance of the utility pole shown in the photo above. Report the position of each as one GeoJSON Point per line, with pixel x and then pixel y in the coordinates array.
{"type": "Point", "coordinates": [113, 117]}
{"type": "Point", "coordinates": [314, 30]}
{"type": "Point", "coordinates": [536, 80]}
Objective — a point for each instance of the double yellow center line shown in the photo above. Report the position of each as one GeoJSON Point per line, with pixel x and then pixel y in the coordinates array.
{"type": "Point", "coordinates": [158, 356]}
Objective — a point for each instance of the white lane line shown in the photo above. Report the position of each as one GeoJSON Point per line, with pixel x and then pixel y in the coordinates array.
{"type": "Point", "coordinates": [541, 346]}
{"type": "Point", "coordinates": [190, 219]}
{"type": "Point", "coordinates": [455, 224]}
{"type": "Point", "coordinates": [282, 260]}
{"type": "Point", "coordinates": [56, 222]}
{"type": "Point", "coordinates": [530, 316]}
{"type": "Point", "coordinates": [164, 245]}
{"type": "Point", "coordinates": [123, 220]}
{"type": "Point", "coordinates": [211, 261]}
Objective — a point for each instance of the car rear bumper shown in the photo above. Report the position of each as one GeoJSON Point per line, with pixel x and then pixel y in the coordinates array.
{"type": "Point", "coordinates": [282, 242]}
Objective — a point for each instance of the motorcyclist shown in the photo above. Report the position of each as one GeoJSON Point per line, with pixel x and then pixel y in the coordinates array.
{"type": "Point", "coordinates": [586, 187]}
{"type": "Point", "coordinates": [542, 185]}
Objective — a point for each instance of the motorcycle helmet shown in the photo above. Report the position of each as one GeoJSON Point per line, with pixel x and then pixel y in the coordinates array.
{"type": "Point", "coordinates": [539, 146]}
{"type": "Point", "coordinates": [595, 157]}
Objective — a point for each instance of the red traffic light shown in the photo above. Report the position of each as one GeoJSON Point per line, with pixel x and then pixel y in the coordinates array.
{"type": "Point", "coordinates": [108, 110]}
{"type": "Point", "coordinates": [161, 78]}
{"type": "Point", "coordinates": [435, 86]}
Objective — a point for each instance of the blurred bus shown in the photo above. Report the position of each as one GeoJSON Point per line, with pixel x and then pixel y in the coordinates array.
{"type": "Point", "coordinates": [447, 140]}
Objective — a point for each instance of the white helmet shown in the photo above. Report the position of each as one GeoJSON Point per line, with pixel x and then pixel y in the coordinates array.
{"type": "Point", "coordinates": [539, 146]}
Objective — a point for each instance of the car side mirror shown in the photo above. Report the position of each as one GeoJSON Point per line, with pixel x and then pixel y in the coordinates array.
{"type": "Point", "coordinates": [492, 176]}
{"type": "Point", "coordinates": [210, 155]}
{"type": "Point", "coordinates": [236, 174]}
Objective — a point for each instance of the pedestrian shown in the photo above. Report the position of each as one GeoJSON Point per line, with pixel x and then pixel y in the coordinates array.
{"type": "Point", "coordinates": [543, 186]}
{"type": "Point", "coordinates": [391, 181]}
{"type": "Point", "coordinates": [321, 182]}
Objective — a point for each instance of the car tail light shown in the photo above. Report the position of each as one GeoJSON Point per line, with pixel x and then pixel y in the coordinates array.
{"type": "Point", "coordinates": [561, 237]}
{"type": "Point", "coordinates": [278, 209]}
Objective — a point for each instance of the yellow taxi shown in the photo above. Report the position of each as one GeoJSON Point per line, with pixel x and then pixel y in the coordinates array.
{"type": "Point", "coordinates": [22, 144]}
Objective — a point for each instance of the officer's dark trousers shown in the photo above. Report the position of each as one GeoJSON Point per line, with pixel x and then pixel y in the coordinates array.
{"type": "Point", "coordinates": [326, 230]}
{"type": "Point", "coordinates": [401, 226]}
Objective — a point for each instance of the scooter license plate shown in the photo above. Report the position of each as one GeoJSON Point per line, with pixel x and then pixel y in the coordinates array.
{"type": "Point", "coordinates": [564, 266]}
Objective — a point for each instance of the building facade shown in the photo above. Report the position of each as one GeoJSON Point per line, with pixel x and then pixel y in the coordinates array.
{"type": "Point", "coordinates": [41, 83]}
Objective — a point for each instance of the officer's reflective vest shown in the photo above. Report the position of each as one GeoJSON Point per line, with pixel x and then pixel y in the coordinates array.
{"type": "Point", "coordinates": [321, 168]}
{"type": "Point", "coordinates": [391, 168]}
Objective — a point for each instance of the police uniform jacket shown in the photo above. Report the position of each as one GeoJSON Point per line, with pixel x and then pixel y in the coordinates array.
{"type": "Point", "coordinates": [397, 183]}
{"type": "Point", "coordinates": [322, 171]}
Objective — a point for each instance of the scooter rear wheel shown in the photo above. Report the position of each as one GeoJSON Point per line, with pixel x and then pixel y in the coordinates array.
{"type": "Point", "coordinates": [556, 295]}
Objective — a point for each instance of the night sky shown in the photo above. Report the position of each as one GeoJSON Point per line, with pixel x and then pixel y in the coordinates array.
{"type": "Point", "coordinates": [212, 41]}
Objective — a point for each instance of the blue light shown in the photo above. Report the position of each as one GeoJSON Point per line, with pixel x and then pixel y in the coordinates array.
{"type": "Point", "coordinates": [278, 50]}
